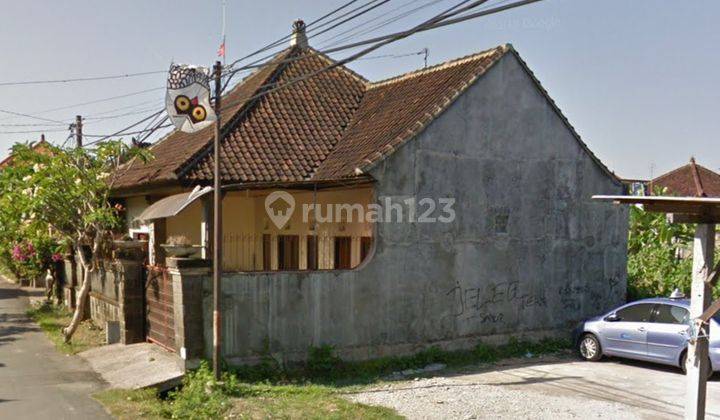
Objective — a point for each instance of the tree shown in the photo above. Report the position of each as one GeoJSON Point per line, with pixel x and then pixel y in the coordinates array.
{"type": "Point", "coordinates": [655, 263]}
{"type": "Point", "coordinates": [68, 192]}
{"type": "Point", "coordinates": [27, 246]}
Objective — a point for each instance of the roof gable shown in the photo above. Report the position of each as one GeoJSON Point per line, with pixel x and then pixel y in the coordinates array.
{"type": "Point", "coordinates": [396, 110]}
{"type": "Point", "coordinates": [691, 180]}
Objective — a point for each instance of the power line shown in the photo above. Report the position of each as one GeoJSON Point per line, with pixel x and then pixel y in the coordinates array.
{"type": "Point", "coordinates": [32, 131]}
{"type": "Point", "coordinates": [97, 101]}
{"type": "Point", "coordinates": [266, 57]}
{"type": "Point", "coordinates": [288, 36]}
{"type": "Point", "coordinates": [437, 21]}
{"type": "Point", "coordinates": [358, 14]}
{"type": "Point", "coordinates": [354, 33]}
{"type": "Point", "coordinates": [135, 105]}
{"type": "Point", "coordinates": [434, 22]}
{"type": "Point", "coordinates": [375, 57]}
{"type": "Point", "coordinates": [151, 131]}
{"type": "Point", "coordinates": [440, 23]}
{"type": "Point", "coordinates": [34, 125]}
{"type": "Point", "coordinates": [20, 114]}
{"type": "Point", "coordinates": [110, 117]}
{"type": "Point", "coordinates": [123, 131]}
{"type": "Point", "coordinates": [270, 46]}
{"type": "Point", "coordinates": [81, 79]}
{"type": "Point", "coordinates": [103, 137]}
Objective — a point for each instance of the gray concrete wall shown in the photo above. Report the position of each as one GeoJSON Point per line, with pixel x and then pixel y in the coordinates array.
{"type": "Point", "coordinates": [105, 280]}
{"type": "Point", "coordinates": [503, 153]}
{"type": "Point", "coordinates": [107, 302]}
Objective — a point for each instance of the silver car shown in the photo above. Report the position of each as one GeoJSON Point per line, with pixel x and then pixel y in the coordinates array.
{"type": "Point", "coordinates": [653, 330]}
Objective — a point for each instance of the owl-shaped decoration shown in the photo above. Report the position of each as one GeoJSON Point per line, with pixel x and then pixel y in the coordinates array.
{"type": "Point", "coordinates": [188, 98]}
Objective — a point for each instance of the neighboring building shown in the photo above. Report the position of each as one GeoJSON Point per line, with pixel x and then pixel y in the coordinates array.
{"type": "Point", "coordinates": [691, 180]}
{"type": "Point", "coordinates": [41, 147]}
{"type": "Point", "coordinates": [528, 253]}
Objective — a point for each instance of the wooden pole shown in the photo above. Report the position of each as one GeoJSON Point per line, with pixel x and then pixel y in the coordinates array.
{"type": "Point", "coordinates": [78, 131]}
{"type": "Point", "coordinates": [697, 363]}
{"type": "Point", "coordinates": [217, 227]}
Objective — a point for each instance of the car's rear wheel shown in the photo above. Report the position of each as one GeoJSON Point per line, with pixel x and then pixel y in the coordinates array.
{"type": "Point", "coordinates": [589, 348]}
{"type": "Point", "coordinates": [683, 361]}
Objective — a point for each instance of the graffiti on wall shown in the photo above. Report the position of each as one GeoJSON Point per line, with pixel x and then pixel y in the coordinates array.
{"type": "Point", "coordinates": [480, 303]}
{"type": "Point", "coordinates": [572, 297]}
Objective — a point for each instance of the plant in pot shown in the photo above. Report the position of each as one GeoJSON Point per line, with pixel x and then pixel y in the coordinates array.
{"type": "Point", "coordinates": [180, 246]}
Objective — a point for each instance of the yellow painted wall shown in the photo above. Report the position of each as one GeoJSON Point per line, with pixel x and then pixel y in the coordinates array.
{"type": "Point", "coordinates": [187, 223]}
{"type": "Point", "coordinates": [325, 231]}
{"type": "Point", "coordinates": [134, 206]}
{"type": "Point", "coordinates": [245, 221]}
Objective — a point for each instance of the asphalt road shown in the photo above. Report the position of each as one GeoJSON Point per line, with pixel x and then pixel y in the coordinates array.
{"type": "Point", "coordinates": [37, 381]}
{"type": "Point", "coordinates": [547, 388]}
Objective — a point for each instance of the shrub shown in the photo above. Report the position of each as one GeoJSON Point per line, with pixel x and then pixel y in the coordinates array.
{"type": "Point", "coordinates": [201, 396]}
{"type": "Point", "coordinates": [654, 245]}
{"type": "Point", "coordinates": [322, 362]}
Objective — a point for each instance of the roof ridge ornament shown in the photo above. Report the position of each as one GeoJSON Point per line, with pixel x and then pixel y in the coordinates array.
{"type": "Point", "coordinates": [700, 191]}
{"type": "Point", "coordinates": [299, 37]}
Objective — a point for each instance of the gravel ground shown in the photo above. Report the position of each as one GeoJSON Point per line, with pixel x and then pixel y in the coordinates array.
{"type": "Point", "coordinates": [442, 398]}
{"type": "Point", "coordinates": [543, 388]}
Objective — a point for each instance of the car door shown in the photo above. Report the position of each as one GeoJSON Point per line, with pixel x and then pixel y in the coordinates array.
{"type": "Point", "coordinates": [667, 333]}
{"type": "Point", "coordinates": [625, 334]}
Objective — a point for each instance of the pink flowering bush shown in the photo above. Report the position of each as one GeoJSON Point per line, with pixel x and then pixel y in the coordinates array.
{"type": "Point", "coordinates": [30, 260]}
{"type": "Point", "coordinates": [23, 252]}
{"type": "Point", "coordinates": [61, 196]}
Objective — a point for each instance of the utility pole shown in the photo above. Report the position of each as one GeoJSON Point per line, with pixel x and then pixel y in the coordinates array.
{"type": "Point", "coordinates": [697, 364]}
{"type": "Point", "coordinates": [217, 227]}
{"type": "Point", "coordinates": [78, 131]}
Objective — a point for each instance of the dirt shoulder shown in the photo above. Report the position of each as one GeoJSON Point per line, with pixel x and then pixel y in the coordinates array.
{"type": "Point", "coordinates": [547, 387]}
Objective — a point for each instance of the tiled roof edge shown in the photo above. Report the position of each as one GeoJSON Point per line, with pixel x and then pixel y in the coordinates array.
{"type": "Point", "coordinates": [348, 70]}
{"type": "Point", "coordinates": [233, 121]}
{"type": "Point", "coordinates": [376, 157]}
{"type": "Point", "coordinates": [129, 164]}
{"type": "Point", "coordinates": [440, 66]}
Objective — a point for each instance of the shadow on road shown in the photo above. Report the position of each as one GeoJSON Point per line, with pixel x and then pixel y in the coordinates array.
{"type": "Point", "coordinates": [10, 293]}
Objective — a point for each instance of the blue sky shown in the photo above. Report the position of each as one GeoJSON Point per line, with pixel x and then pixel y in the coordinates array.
{"type": "Point", "coordinates": [638, 79]}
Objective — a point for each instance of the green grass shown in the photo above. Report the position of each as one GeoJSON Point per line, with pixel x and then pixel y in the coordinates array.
{"type": "Point", "coordinates": [201, 397]}
{"type": "Point", "coordinates": [302, 402]}
{"type": "Point", "coordinates": [132, 404]}
{"type": "Point", "coordinates": [326, 368]}
{"type": "Point", "coordinates": [8, 274]}
{"type": "Point", "coordinates": [313, 390]}
{"type": "Point", "coordinates": [53, 318]}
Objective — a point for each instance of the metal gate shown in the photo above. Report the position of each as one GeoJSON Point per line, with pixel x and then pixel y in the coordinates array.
{"type": "Point", "coordinates": [159, 314]}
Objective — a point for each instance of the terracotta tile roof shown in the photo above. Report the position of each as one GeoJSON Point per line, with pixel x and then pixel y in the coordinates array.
{"type": "Point", "coordinates": [176, 150]}
{"type": "Point", "coordinates": [397, 109]}
{"type": "Point", "coordinates": [332, 126]}
{"type": "Point", "coordinates": [40, 147]}
{"type": "Point", "coordinates": [288, 133]}
{"type": "Point", "coordinates": [691, 180]}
